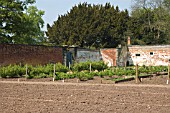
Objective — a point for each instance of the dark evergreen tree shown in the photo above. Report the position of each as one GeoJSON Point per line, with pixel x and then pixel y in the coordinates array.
{"type": "Point", "coordinates": [90, 26]}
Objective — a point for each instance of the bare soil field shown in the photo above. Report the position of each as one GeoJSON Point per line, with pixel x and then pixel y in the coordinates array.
{"type": "Point", "coordinates": [95, 96]}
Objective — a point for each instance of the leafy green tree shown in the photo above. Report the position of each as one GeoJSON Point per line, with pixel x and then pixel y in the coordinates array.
{"type": "Point", "coordinates": [30, 30]}
{"type": "Point", "coordinates": [167, 4]}
{"type": "Point", "coordinates": [20, 23]}
{"type": "Point", "coordinates": [150, 20]}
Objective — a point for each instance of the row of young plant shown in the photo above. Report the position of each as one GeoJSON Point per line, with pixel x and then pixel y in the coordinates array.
{"type": "Point", "coordinates": [39, 71]}
{"type": "Point", "coordinates": [152, 69]}
{"type": "Point", "coordinates": [83, 71]}
{"type": "Point", "coordinates": [44, 71]}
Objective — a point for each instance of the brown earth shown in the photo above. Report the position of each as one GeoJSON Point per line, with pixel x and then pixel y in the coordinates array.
{"type": "Point", "coordinates": [44, 96]}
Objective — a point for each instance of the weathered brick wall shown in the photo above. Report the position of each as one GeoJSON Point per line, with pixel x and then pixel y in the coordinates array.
{"type": "Point", "coordinates": [109, 56]}
{"type": "Point", "coordinates": [15, 54]}
{"type": "Point", "coordinates": [149, 55]}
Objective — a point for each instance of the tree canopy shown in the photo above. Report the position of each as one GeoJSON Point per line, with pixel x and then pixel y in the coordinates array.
{"type": "Point", "coordinates": [102, 26]}
{"type": "Point", "coordinates": [150, 22]}
{"type": "Point", "coordinates": [87, 25]}
{"type": "Point", "coordinates": [90, 26]}
{"type": "Point", "coordinates": [20, 22]}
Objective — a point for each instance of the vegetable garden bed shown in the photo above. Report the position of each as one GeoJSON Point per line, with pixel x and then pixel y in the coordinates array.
{"type": "Point", "coordinates": [81, 72]}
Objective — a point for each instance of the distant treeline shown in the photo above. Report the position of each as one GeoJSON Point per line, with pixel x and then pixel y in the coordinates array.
{"type": "Point", "coordinates": [87, 25]}
{"type": "Point", "coordinates": [102, 26]}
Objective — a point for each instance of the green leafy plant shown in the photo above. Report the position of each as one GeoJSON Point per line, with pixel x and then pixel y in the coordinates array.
{"type": "Point", "coordinates": [86, 66]}
{"type": "Point", "coordinates": [83, 76]}
{"type": "Point", "coordinates": [61, 68]}
{"type": "Point", "coordinates": [12, 71]}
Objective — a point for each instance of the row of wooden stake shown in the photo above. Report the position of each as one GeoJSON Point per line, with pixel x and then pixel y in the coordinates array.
{"type": "Point", "coordinates": [136, 78]}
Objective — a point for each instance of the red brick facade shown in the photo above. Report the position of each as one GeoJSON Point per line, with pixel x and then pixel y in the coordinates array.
{"type": "Point", "coordinates": [155, 55]}
{"type": "Point", "coordinates": [15, 54]}
{"type": "Point", "coordinates": [109, 56]}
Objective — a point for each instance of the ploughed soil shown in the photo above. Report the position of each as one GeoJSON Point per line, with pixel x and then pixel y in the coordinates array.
{"type": "Point", "coordinates": [99, 95]}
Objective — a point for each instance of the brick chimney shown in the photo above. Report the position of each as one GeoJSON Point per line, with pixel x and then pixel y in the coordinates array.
{"type": "Point", "coordinates": [128, 41]}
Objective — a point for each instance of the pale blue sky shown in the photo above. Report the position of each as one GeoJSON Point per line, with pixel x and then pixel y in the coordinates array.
{"type": "Point", "coordinates": [53, 8]}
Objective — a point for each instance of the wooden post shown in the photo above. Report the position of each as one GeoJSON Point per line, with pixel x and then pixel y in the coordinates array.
{"type": "Point", "coordinates": [168, 74]}
{"type": "Point", "coordinates": [125, 69]}
{"type": "Point", "coordinates": [63, 80]}
{"type": "Point", "coordinates": [0, 69]}
{"type": "Point", "coordinates": [54, 76]}
{"type": "Point", "coordinates": [69, 65]}
{"type": "Point", "coordinates": [137, 74]}
{"type": "Point", "coordinates": [65, 64]}
{"type": "Point", "coordinates": [90, 67]}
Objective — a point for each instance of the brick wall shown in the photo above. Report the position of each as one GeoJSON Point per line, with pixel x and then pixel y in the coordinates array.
{"type": "Point", "coordinates": [109, 56]}
{"type": "Point", "coordinates": [149, 55]}
{"type": "Point", "coordinates": [15, 54]}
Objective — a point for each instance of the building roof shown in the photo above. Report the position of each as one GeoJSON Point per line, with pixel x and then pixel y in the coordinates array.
{"type": "Point", "coordinates": [149, 46]}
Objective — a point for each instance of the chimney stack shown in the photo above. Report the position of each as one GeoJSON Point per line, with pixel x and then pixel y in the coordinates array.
{"type": "Point", "coordinates": [128, 42]}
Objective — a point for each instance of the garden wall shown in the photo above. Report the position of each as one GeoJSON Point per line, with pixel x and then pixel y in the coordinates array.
{"type": "Point", "coordinates": [149, 55]}
{"type": "Point", "coordinates": [84, 55]}
{"type": "Point", "coordinates": [16, 54]}
{"type": "Point", "coordinates": [109, 56]}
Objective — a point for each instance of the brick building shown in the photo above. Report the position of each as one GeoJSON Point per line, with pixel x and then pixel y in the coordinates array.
{"type": "Point", "coordinates": [155, 55]}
